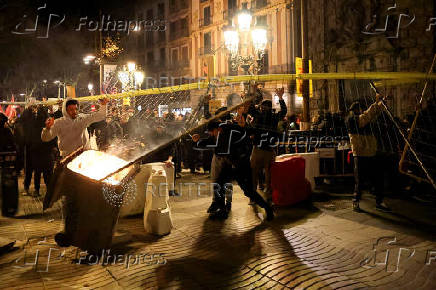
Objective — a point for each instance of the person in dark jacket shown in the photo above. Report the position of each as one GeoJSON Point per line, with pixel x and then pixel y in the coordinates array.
{"type": "Point", "coordinates": [364, 147]}
{"type": "Point", "coordinates": [31, 146]}
{"type": "Point", "coordinates": [8, 180]}
{"type": "Point", "coordinates": [231, 161]}
{"type": "Point", "coordinates": [39, 155]}
{"type": "Point", "coordinates": [48, 151]}
{"type": "Point", "coordinates": [266, 122]}
{"type": "Point", "coordinates": [7, 143]}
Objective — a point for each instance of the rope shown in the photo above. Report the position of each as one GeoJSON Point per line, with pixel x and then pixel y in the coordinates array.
{"type": "Point", "coordinates": [399, 76]}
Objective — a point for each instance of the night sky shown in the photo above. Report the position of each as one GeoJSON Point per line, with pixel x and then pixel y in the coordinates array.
{"type": "Point", "coordinates": [51, 51]}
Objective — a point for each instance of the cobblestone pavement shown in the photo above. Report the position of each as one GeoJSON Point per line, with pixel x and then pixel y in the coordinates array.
{"type": "Point", "coordinates": [322, 244]}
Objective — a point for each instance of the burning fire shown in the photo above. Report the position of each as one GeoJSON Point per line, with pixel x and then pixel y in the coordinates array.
{"type": "Point", "coordinates": [96, 165]}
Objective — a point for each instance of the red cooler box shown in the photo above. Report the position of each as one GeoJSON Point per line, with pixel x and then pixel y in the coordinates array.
{"type": "Point", "coordinates": [288, 182]}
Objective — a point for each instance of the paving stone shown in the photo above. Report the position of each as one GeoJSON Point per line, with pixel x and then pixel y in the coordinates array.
{"type": "Point", "coordinates": [315, 251]}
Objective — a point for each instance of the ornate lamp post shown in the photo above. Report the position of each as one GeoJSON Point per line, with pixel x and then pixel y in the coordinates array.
{"type": "Point", "coordinates": [130, 77]}
{"type": "Point", "coordinates": [247, 57]}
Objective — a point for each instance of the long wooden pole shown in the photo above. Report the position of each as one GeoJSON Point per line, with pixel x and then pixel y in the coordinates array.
{"type": "Point", "coordinates": [406, 140]}
{"type": "Point", "coordinates": [415, 120]}
{"type": "Point", "coordinates": [189, 132]}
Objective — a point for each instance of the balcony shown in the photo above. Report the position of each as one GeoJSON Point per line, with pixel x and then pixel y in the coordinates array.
{"type": "Point", "coordinates": [179, 33]}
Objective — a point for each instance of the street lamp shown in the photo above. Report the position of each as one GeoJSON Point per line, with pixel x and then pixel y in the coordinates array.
{"type": "Point", "coordinates": [88, 59]}
{"type": "Point", "coordinates": [59, 84]}
{"type": "Point", "coordinates": [139, 78]}
{"type": "Point", "coordinates": [131, 66]}
{"type": "Point", "coordinates": [91, 89]}
{"type": "Point", "coordinates": [259, 40]}
{"type": "Point", "coordinates": [231, 39]}
{"type": "Point", "coordinates": [244, 18]}
{"type": "Point", "coordinates": [130, 77]}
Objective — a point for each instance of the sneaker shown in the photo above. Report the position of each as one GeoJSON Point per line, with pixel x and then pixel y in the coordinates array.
{"type": "Point", "coordinates": [382, 207]}
{"type": "Point", "coordinates": [269, 214]}
{"type": "Point", "coordinates": [356, 206]}
{"type": "Point", "coordinates": [62, 240]}
{"type": "Point", "coordinates": [173, 193]}
{"type": "Point", "coordinates": [228, 206]}
{"type": "Point", "coordinates": [221, 214]}
{"type": "Point", "coordinates": [213, 207]}
{"type": "Point", "coordinates": [26, 191]}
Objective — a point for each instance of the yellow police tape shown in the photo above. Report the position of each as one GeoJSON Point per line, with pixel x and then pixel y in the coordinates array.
{"type": "Point", "coordinates": [393, 77]}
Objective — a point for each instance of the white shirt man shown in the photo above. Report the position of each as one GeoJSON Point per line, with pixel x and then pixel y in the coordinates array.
{"type": "Point", "coordinates": [71, 128]}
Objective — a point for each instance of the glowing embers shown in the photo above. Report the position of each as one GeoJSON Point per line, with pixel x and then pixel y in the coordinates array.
{"type": "Point", "coordinates": [96, 165]}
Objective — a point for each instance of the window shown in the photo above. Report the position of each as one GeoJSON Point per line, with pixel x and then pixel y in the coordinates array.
{"type": "Point", "coordinates": [185, 56]}
{"type": "Point", "coordinates": [162, 36]}
{"type": "Point", "coordinates": [173, 31]}
{"type": "Point", "coordinates": [231, 4]}
{"type": "Point", "coordinates": [163, 56]}
{"type": "Point", "coordinates": [150, 58]}
{"type": "Point", "coordinates": [149, 14]}
{"type": "Point", "coordinates": [261, 3]}
{"type": "Point", "coordinates": [183, 27]}
{"type": "Point", "coordinates": [207, 43]}
{"type": "Point", "coordinates": [161, 11]}
{"type": "Point", "coordinates": [206, 14]}
{"type": "Point", "coordinates": [172, 5]}
{"type": "Point", "coordinates": [261, 20]}
{"type": "Point", "coordinates": [174, 56]}
{"type": "Point", "coordinates": [149, 37]}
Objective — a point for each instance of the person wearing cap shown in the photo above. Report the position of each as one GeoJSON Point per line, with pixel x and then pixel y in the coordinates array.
{"type": "Point", "coordinates": [265, 122]}
{"type": "Point", "coordinates": [71, 128]}
{"type": "Point", "coordinates": [364, 147]}
{"type": "Point", "coordinates": [231, 161]}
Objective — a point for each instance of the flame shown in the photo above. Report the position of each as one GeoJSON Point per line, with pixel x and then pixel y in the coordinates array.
{"type": "Point", "coordinates": [97, 164]}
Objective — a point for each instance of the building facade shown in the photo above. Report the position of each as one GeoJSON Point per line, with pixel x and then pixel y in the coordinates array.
{"type": "Point", "coordinates": [343, 36]}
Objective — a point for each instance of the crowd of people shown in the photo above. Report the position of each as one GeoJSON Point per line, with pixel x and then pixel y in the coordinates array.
{"type": "Point", "coordinates": [41, 136]}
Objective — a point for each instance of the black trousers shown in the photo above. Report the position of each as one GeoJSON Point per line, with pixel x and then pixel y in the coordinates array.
{"type": "Point", "coordinates": [37, 164]}
{"type": "Point", "coordinates": [207, 159]}
{"type": "Point", "coordinates": [29, 167]}
{"type": "Point", "coordinates": [368, 169]}
{"type": "Point", "coordinates": [224, 171]}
